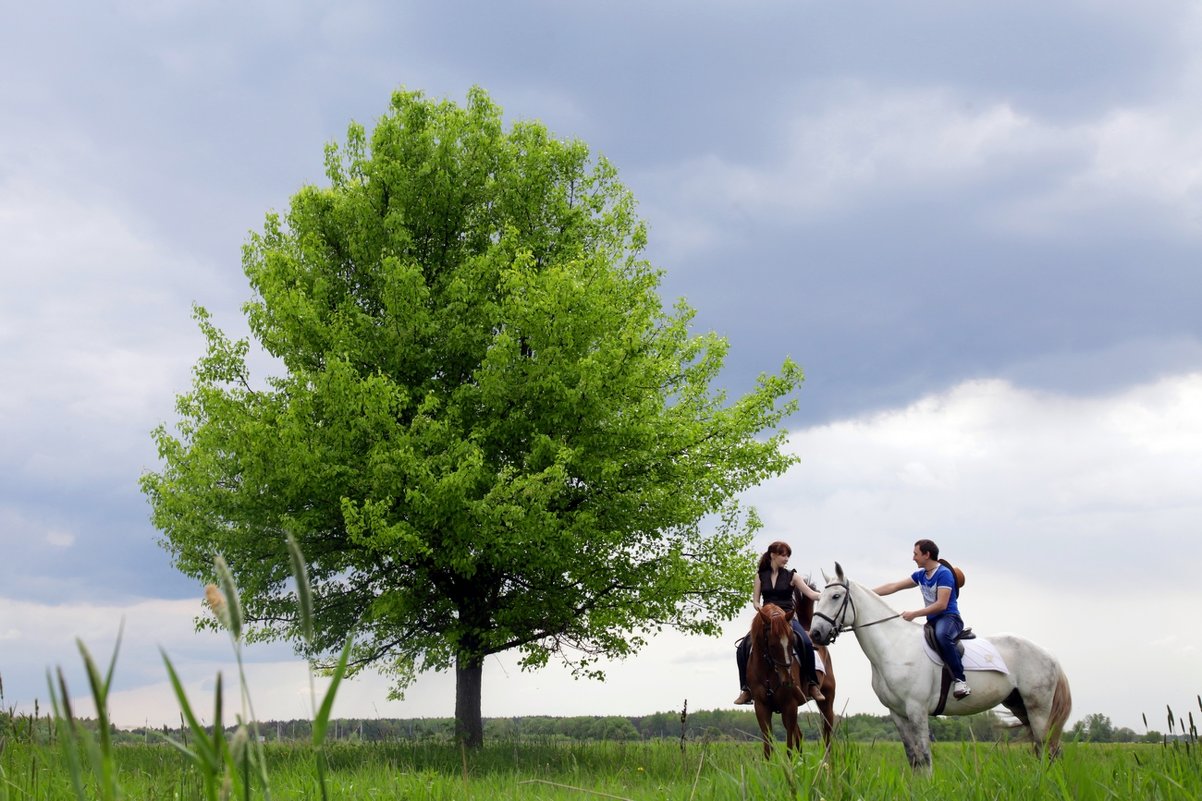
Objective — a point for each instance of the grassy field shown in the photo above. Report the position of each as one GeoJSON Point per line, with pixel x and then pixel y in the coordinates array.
{"type": "Point", "coordinates": [61, 757]}
{"type": "Point", "coordinates": [646, 770]}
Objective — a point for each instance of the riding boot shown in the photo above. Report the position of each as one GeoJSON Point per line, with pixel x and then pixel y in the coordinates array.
{"type": "Point", "coordinates": [742, 653]}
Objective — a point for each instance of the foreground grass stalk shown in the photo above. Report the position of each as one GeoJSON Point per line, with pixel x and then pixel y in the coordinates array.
{"type": "Point", "coordinates": [251, 756]}
{"type": "Point", "coordinates": [228, 768]}
{"type": "Point", "coordinates": [80, 747]}
{"type": "Point", "coordinates": [321, 715]}
{"type": "Point", "coordinates": [208, 752]}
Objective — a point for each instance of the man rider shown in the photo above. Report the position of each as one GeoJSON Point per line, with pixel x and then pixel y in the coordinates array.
{"type": "Point", "coordinates": [938, 585]}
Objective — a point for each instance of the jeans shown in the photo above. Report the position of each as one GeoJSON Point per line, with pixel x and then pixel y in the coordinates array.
{"type": "Point", "coordinates": [947, 629]}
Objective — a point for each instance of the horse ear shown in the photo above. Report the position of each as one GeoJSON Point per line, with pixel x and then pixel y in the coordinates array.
{"type": "Point", "coordinates": [825, 577]}
{"type": "Point", "coordinates": [839, 571]}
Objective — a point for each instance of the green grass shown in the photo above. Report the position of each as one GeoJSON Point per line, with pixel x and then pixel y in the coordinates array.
{"type": "Point", "coordinates": [640, 770]}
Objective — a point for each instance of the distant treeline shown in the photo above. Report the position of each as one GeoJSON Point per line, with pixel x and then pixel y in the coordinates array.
{"type": "Point", "coordinates": [712, 725]}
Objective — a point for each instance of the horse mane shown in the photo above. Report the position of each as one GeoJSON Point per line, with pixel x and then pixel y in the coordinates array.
{"type": "Point", "coordinates": [776, 619]}
{"type": "Point", "coordinates": [803, 609]}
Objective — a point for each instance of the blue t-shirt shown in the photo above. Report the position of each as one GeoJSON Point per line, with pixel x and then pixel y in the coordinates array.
{"type": "Point", "coordinates": [930, 589]}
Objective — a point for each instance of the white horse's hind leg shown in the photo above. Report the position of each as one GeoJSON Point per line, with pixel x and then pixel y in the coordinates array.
{"type": "Point", "coordinates": [1042, 699]}
{"type": "Point", "coordinates": [916, 737]}
{"type": "Point", "coordinates": [1046, 721]}
{"type": "Point", "coordinates": [1039, 727]}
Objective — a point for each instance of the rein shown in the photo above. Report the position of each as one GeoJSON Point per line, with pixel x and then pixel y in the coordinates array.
{"type": "Point", "coordinates": [781, 669]}
{"type": "Point", "coordinates": [838, 628]}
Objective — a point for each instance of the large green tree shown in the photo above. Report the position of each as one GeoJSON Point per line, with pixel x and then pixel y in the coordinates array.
{"type": "Point", "coordinates": [483, 427]}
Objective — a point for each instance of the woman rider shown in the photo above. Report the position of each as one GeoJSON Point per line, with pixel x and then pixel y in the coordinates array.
{"type": "Point", "coordinates": [774, 584]}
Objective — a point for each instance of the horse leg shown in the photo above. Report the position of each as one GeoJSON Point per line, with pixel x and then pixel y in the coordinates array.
{"type": "Point", "coordinates": [827, 710]}
{"type": "Point", "coordinates": [915, 736]}
{"type": "Point", "coordinates": [788, 718]}
{"type": "Point", "coordinates": [1046, 715]}
{"type": "Point", "coordinates": [763, 716]}
{"type": "Point", "coordinates": [1018, 708]}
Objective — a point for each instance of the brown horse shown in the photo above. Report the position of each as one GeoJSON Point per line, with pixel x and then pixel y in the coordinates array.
{"type": "Point", "coordinates": [774, 677]}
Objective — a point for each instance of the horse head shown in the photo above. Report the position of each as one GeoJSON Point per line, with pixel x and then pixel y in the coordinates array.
{"type": "Point", "coordinates": [776, 638]}
{"type": "Point", "coordinates": [834, 611]}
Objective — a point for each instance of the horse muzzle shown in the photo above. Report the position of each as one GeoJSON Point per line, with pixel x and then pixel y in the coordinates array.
{"type": "Point", "coordinates": [821, 632]}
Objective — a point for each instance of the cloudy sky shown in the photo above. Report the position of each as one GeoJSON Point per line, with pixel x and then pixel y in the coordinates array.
{"type": "Point", "coordinates": [976, 225]}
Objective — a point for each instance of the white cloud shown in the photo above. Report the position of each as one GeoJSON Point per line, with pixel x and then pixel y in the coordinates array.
{"type": "Point", "coordinates": [860, 145]}
{"type": "Point", "coordinates": [1142, 162]}
{"type": "Point", "coordinates": [987, 461]}
{"type": "Point", "coordinates": [60, 539]}
{"type": "Point", "coordinates": [1024, 173]}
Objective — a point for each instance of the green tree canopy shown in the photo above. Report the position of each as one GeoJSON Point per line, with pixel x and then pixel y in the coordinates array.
{"type": "Point", "coordinates": [486, 433]}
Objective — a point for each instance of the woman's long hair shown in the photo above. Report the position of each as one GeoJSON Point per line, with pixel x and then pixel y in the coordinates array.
{"type": "Point", "coordinates": [776, 547]}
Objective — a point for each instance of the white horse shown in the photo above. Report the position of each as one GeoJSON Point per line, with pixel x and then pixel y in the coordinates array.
{"type": "Point", "coordinates": [909, 684]}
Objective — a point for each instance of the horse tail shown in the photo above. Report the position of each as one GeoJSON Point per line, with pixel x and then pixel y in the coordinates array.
{"type": "Point", "coordinates": [1062, 705]}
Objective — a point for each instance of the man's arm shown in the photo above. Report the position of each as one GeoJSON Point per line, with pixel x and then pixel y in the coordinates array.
{"type": "Point", "coordinates": [942, 596]}
{"type": "Point", "coordinates": [889, 589]}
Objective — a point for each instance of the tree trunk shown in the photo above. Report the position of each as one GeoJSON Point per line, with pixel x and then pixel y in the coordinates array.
{"type": "Point", "coordinates": [469, 727]}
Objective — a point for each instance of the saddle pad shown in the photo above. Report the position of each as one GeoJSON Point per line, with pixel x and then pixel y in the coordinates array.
{"type": "Point", "coordinates": [818, 666]}
{"type": "Point", "coordinates": [979, 654]}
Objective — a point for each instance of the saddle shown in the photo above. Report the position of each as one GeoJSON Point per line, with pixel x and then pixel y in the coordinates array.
{"type": "Point", "coordinates": [928, 631]}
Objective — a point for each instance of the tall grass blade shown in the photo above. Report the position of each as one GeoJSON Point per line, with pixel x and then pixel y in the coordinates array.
{"type": "Point", "coordinates": [101, 754]}
{"type": "Point", "coordinates": [65, 725]}
{"type": "Point", "coordinates": [204, 753]}
{"type": "Point", "coordinates": [233, 617]}
{"type": "Point", "coordinates": [304, 592]}
{"type": "Point", "coordinates": [322, 721]}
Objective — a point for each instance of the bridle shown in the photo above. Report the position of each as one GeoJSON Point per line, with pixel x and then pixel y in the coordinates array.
{"type": "Point", "coordinates": [838, 627]}
{"type": "Point", "coordinates": [783, 671]}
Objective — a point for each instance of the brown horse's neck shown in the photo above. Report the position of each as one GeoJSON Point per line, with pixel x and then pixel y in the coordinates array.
{"type": "Point", "coordinates": [803, 609]}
